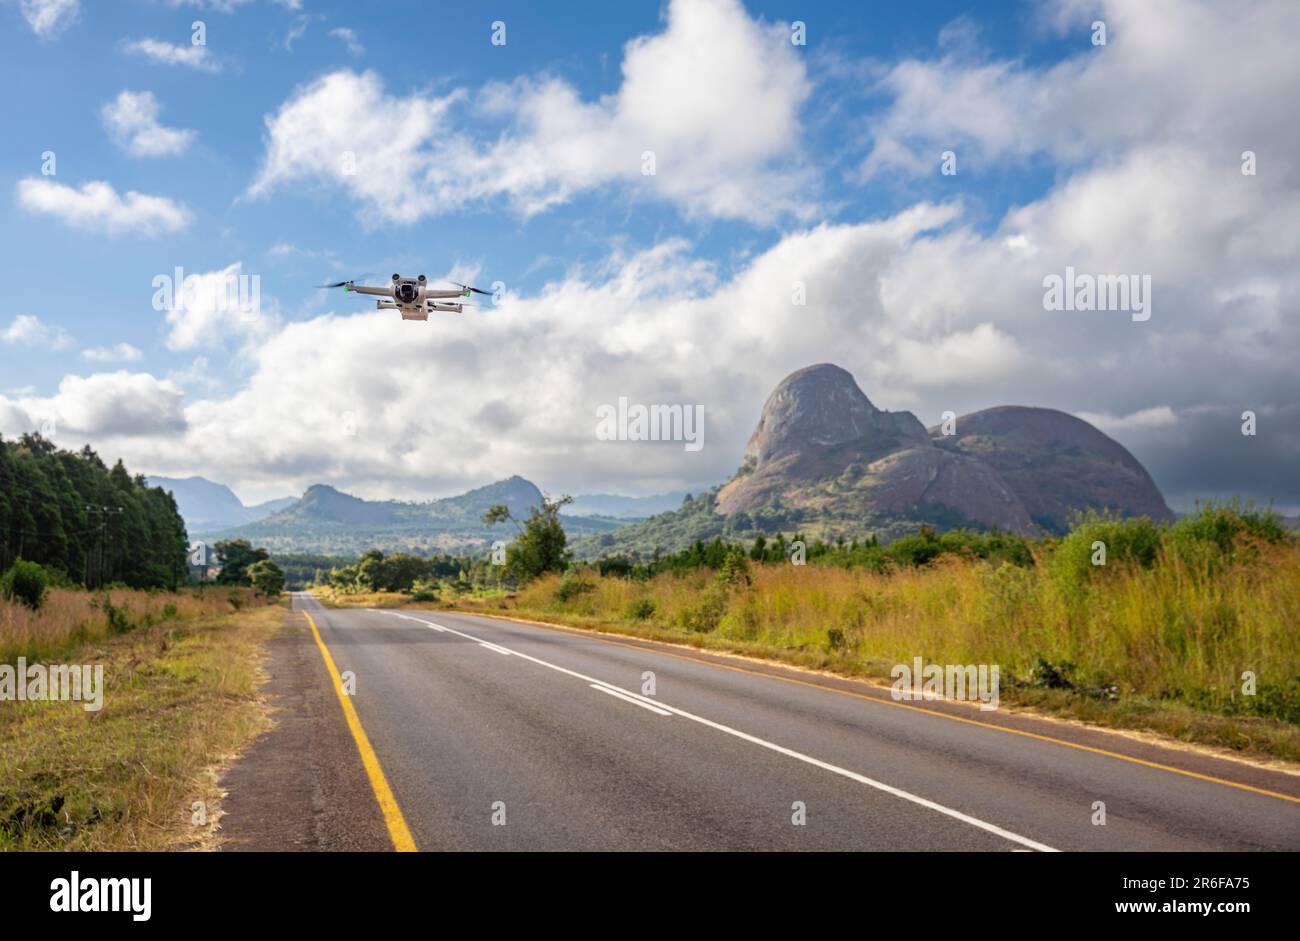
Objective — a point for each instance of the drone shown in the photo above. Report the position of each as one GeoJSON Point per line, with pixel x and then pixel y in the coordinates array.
{"type": "Point", "coordinates": [412, 296]}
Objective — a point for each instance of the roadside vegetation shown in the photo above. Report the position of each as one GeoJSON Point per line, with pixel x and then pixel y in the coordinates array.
{"type": "Point", "coordinates": [1186, 629]}
{"type": "Point", "coordinates": [180, 677]}
{"type": "Point", "coordinates": [96, 580]}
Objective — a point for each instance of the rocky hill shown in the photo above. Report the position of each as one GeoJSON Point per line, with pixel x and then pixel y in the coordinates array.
{"type": "Point", "coordinates": [825, 460]}
{"type": "Point", "coordinates": [1056, 464]}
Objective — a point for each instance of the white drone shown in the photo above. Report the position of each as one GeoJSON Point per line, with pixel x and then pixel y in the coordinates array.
{"type": "Point", "coordinates": [412, 296]}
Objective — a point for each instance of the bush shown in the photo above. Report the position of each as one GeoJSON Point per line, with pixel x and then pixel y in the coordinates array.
{"type": "Point", "coordinates": [1224, 527]}
{"type": "Point", "coordinates": [919, 549]}
{"type": "Point", "coordinates": [572, 587]}
{"type": "Point", "coordinates": [642, 609]}
{"type": "Point", "coordinates": [735, 571]}
{"type": "Point", "coordinates": [25, 582]}
{"type": "Point", "coordinates": [705, 613]}
{"type": "Point", "coordinates": [1133, 541]}
{"type": "Point", "coordinates": [118, 622]}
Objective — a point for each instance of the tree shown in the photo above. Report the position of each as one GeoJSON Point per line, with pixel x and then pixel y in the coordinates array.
{"type": "Point", "coordinates": [236, 556]}
{"type": "Point", "coordinates": [266, 577]}
{"type": "Point", "coordinates": [541, 545]}
{"type": "Point", "coordinates": [25, 582]}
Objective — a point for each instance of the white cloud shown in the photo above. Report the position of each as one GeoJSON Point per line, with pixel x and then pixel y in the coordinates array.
{"type": "Point", "coordinates": [349, 37]}
{"type": "Point", "coordinates": [217, 306]}
{"type": "Point", "coordinates": [98, 207]}
{"type": "Point", "coordinates": [28, 330]}
{"type": "Point", "coordinates": [198, 374]}
{"type": "Point", "coordinates": [1158, 416]}
{"type": "Point", "coordinates": [132, 119]}
{"type": "Point", "coordinates": [118, 353]}
{"type": "Point", "coordinates": [166, 53]}
{"type": "Point", "coordinates": [48, 18]}
{"type": "Point", "coordinates": [733, 152]}
{"type": "Point", "coordinates": [296, 32]}
{"type": "Point", "coordinates": [1172, 72]}
{"type": "Point", "coordinates": [101, 407]}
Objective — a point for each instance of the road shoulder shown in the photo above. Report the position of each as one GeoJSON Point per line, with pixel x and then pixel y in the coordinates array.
{"type": "Point", "coordinates": [300, 786]}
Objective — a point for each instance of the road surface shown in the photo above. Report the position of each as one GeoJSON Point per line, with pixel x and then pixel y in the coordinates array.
{"type": "Point", "coordinates": [476, 733]}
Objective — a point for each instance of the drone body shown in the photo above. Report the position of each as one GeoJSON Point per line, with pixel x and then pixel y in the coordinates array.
{"type": "Point", "coordinates": [412, 296]}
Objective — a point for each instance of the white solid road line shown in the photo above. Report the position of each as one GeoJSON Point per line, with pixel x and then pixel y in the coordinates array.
{"type": "Point", "coordinates": [483, 643]}
{"type": "Point", "coordinates": [636, 702]}
{"type": "Point", "coordinates": [771, 746]}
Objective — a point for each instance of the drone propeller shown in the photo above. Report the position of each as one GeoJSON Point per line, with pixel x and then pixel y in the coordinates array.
{"type": "Point", "coordinates": [466, 287]}
{"type": "Point", "coordinates": [336, 284]}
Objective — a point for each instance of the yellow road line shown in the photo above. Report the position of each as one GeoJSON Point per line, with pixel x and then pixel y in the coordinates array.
{"type": "Point", "coordinates": [655, 647]}
{"type": "Point", "coordinates": [403, 842]}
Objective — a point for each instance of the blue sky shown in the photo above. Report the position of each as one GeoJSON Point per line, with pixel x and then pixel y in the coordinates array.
{"type": "Point", "coordinates": [521, 169]}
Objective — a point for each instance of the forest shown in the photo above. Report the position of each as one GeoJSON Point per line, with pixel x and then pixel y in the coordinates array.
{"type": "Point", "coordinates": [84, 522]}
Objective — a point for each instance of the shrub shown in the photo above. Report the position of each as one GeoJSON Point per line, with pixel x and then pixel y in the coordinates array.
{"type": "Point", "coordinates": [26, 582]}
{"type": "Point", "coordinates": [915, 550]}
{"type": "Point", "coordinates": [735, 570]}
{"type": "Point", "coordinates": [1223, 527]}
{"type": "Point", "coordinates": [1134, 540]}
{"type": "Point", "coordinates": [642, 609]}
{"type": "Point", "coordinates": [118, 622]}
{"type": "Point", "coordinates": [572, 587]}
{"type": "Point", "coordinates": [704, 613]}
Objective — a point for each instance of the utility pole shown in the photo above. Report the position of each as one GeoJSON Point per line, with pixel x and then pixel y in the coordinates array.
{"type": "Point", "coordinates": [102, 536]}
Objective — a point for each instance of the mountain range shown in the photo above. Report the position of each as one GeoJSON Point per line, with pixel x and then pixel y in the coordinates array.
{"type": "Point", "coordinates": [328, 521]}
{"type": "Point", "coordinates": [205, 505]}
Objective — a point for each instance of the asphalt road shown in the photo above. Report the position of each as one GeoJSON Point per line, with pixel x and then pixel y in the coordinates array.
{"type": "Point", "coordinates": [492, 734]}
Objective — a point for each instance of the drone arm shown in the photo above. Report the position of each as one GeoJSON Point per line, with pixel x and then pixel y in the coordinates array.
{"type": "Point", "coordinates": [367, 289]}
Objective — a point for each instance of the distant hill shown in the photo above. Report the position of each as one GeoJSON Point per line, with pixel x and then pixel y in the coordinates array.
{"type": "Point", "coordinates": [625, 508]}
{"type": "Point", "coordinates": [825, 461]}
{"type": "Point", "coordinates": [206, 505]}
{"type": "Point", "coordinates": [327, 520]}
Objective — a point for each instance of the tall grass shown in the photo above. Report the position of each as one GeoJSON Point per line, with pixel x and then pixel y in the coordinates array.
{"type": "Point", "coordinates": [1166, 622]}
{"type": "Point", "coordinates": [69, 618]}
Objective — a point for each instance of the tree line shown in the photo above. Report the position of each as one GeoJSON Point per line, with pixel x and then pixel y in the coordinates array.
{"type": "Point", "coordinates": [86, 522]}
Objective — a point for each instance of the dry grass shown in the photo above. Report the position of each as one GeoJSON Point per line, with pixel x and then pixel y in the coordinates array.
{"type": "Point", "coordinates": [70, 618]}
{"type": "Point", "coordinates": [373, 599]}
{"type": "Point", "coordinates": [1163, 631]}
{"type": "Point", "coordinates": [180, 701]}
